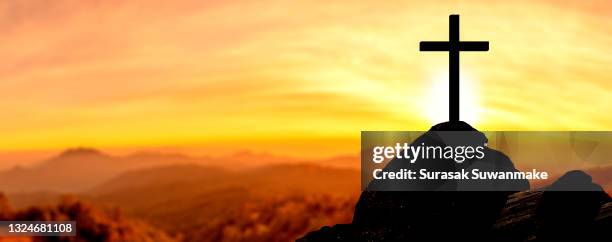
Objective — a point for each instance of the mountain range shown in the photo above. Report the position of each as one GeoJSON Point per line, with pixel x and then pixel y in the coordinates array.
{"type": "Point", "coordinates": [246, 196]}
{"type": "Point", "coordinates": [191, 199]}
{"type": "Point", "coordinates": [80, 169]}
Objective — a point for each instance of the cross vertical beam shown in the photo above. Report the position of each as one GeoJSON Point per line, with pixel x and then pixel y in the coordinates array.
{"type": "Point", "coordinates": [454, 46]}
{"type": "Point", "coordinates": [453, 68]}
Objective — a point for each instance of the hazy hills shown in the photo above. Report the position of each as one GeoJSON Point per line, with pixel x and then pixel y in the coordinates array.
{"type": "Point", "coordinates": [158, 176]}
{"type": "Point", "coordinates": [202, 202]}
{"type": "Point", "coordinates": [243, 197]}
{"type": "Point", "coordinates": [191, 199]}
{"type": "Point", "coordinates": [78, 169]}
{"type": "Point", "coordinates": [81, 169]}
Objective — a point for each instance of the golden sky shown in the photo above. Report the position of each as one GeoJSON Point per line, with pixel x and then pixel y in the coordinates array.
{"type": "Point", "coordinates": [298, 76]}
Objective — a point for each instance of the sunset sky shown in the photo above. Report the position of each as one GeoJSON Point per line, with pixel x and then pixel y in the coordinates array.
{"type": "Point", "coordinates": [301, 77]}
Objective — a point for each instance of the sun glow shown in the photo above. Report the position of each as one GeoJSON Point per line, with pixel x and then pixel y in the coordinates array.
{"type": "Point", "coordinates": [436, 107]}
{"type": "Point", "coordinates": [269, 76]}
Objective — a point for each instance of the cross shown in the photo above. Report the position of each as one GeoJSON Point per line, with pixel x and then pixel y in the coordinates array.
{"type": "Point", "coordinates": [453, 46]}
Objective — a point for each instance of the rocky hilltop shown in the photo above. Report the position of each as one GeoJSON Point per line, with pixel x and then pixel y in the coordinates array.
{"type": "Point", "coordinates": [524, 218]}
{"type": "Point", "coordinates": [573, 208]}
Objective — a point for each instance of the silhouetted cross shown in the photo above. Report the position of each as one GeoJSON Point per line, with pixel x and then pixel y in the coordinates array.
{"type": "Point", "coordinates": [453, 46]}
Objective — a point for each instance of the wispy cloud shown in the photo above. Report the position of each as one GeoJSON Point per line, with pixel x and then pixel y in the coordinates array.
{"type": "Point", "coordinates": [121, 74]}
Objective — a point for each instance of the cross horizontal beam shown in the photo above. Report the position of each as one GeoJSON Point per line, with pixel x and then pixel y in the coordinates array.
{"type": "Point", "coordinates": [445, 46]}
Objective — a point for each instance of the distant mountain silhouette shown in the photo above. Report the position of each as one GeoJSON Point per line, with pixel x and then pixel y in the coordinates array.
{"type": "Point", "coordinates": [79, 152]}
{"type": "Point", "coordinates": [75, 170]}
{"type": "Point", "coordinates": [81, 169]}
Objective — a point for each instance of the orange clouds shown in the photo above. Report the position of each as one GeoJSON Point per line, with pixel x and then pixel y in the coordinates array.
{"type": "Point", "coordinates": [129, 74]}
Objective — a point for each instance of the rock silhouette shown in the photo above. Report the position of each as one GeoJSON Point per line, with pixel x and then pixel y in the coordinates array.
{"type": "Point", "coordinates": [570, 215]}
{"type": "Point", "coordinates": [503, 215]}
